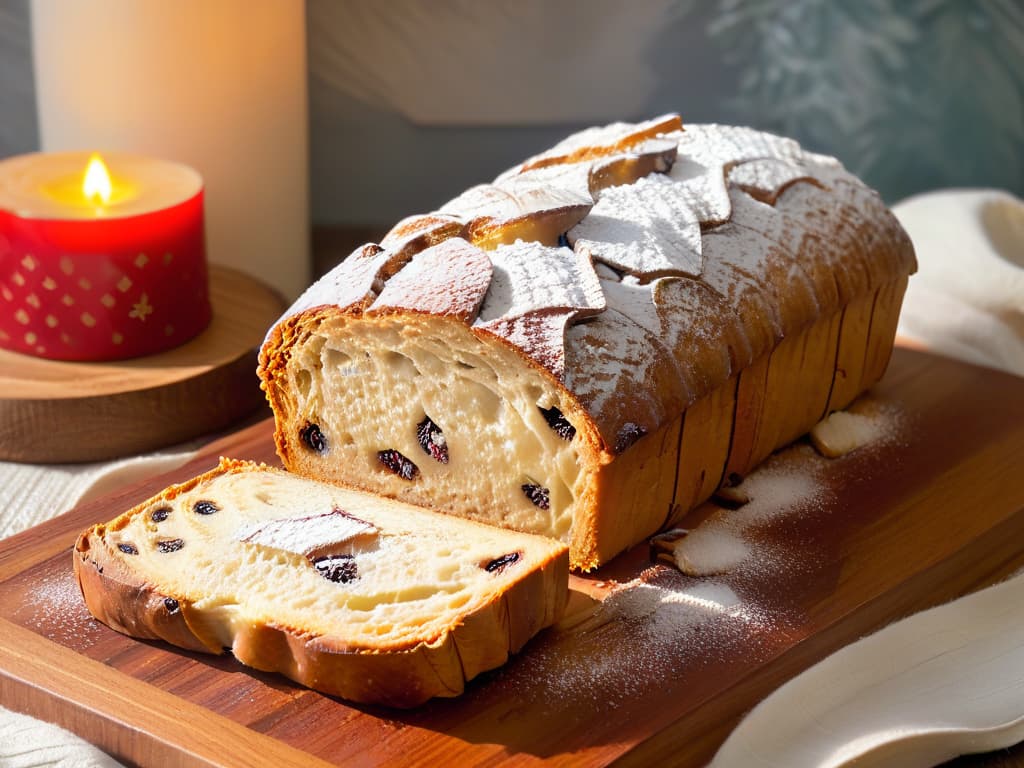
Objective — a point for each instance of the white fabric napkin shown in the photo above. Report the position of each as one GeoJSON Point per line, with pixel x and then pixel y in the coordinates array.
{"type": "Point", "coordinates": [29, 743]}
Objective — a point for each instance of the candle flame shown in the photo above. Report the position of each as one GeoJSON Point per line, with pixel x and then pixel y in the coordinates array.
{"type": "Point", "coordinates": [96, 184]}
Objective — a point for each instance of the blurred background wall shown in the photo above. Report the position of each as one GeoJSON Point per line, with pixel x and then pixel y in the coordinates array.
{"type": "Point", "coordinates": [411, 102]}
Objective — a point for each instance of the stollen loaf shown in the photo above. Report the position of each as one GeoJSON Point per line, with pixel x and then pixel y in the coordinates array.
{"type": "Point", "coordinates": [592, 344]}
{"type": "Point", "coordinates": [355, 596]}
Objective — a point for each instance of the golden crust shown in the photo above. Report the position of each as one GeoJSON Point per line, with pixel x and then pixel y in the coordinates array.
{"type": "Point", "coordinates": [811, 268]}
{"type": "Point", "coordinates": [396, 674]}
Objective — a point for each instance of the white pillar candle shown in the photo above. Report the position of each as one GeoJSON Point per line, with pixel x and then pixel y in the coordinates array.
{"type": "Point", "coordinates": [218, 85]}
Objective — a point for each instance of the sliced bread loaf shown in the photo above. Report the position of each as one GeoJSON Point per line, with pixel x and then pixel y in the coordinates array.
{"type": "Point", "coordinates": [591, 345]}
{"type": "Point", "coordinates": [363, 598]}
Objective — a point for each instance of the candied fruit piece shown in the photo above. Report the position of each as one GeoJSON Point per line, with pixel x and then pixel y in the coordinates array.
{"type": "Point", "coordinates": [340, 569]}
{"type": "Point", "coordinates": [313, 437]}
{"type": "Point", "coordinates": [205, 508]}
{"type": "Point", "coordinates": [432, 440]}
{"type": "Point", "coordinates": [557, 421]}
{"type": "Point", "coordinates": [499, 564]}
{"type": "Point", "coordinates": [538, 494]}
{"type": "Point", "coordinates": [398, 464]}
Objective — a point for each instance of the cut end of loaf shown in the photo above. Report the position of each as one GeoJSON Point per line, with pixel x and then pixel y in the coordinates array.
{"type": "Point", "coordinates": [458, 423]}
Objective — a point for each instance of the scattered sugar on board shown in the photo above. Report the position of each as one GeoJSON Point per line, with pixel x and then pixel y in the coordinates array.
{"type": "Point", "coordinates": [638, 641]}
{"type": "Point", "coordinates": [56, 610]}
{"type": "Point", "coordinates": [650, 632]}
{"type": "Point", "coordinates": [788, 483]}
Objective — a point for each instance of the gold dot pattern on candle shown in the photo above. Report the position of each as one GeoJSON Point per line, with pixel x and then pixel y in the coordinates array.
{"type": "Point", "coordinates": [71, 276]}
{"type": "Point", "coordinates": [77, 273]}
{"type": "Point", "coordinates": [141, 309]}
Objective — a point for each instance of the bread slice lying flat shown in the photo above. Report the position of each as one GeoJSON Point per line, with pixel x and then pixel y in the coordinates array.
{"type": "Point", "coordinates": [359, 597]}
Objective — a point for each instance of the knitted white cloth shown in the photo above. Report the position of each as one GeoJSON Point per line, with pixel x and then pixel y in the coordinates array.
{"type": "Point", "coordinates": [29, 743]}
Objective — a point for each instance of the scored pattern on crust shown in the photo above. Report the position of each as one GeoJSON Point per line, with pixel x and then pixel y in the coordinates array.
{"type": "Point", "coordinates": [645, 228]}
{"type": "Point", "coordinates": [530, 277]}
{"type": "Point", "coordinates": [602, 141]}
{"type": "Point", "coordinates": [766, 178]}
{"type": "Point", "coordinates": [450, 278]}
{"type": "Point", "coordinates": [414, 233]}
{"type": "Point", "coordinates": [712, 243]}
{"type": "Point", "coordinates": [352, 285]}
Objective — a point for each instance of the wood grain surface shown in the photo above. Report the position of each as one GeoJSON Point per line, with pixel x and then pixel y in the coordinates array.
{"type": "Point", "coordinates": [56, 411]}
{"type": "Point", "coordinates": [928, 514]}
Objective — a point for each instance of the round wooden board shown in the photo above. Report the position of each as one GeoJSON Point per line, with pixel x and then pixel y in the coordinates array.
{"type": "Point", "coordinates": [53, 411]}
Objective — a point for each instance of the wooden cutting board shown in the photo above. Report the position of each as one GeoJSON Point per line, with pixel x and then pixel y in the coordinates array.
{"type": "Point", "coordinates": [661, 671]}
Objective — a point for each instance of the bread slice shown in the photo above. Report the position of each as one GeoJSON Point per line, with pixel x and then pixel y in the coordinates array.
{"type": "Point", "coordinates": [590, 369]}
{"type": "Point", "coordinates": [363, 598]}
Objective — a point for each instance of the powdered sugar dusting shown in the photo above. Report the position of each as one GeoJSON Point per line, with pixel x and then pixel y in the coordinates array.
{"type": "Point", "coordinates": [704, 190]}
{"type": "Point", "coordinates": [530, 277]}
{"type": "Point", "coordinates": [55, 608]}
{"type": "Point", "coordinates": [515, 197]}
{"type": "Point", "coordinates": [646, 228]}
{"type": "Point", "coordinates": [621, 372]}
{"type": "Point", "coordinates": [711, 145]}
{"type": "Point", "coordinates": [661, 628]}
{"type": "Point", "coordinates": [766, 177]}
{"type": "Point", "coordinates": [784, 485]}
{"type": "Point", "coordinates": [450, 278]}
{"type": "Point", "coordinates": [572, 177]}
{"type": "Point", "coordinates": [540, 335]}
{"type": "Point", "coordinates": [354, 283]}
{"type": "Point", "coordinates": [604, 140]}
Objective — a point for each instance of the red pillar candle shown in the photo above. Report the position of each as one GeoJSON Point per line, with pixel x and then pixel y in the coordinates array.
{"type": "Point", "coordinates": [100, 265]}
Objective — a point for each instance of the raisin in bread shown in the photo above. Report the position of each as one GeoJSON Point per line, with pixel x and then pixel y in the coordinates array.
{"type": "Point", "coordinates": [595, 342]}
{"type": "Point", "coordinates": [363, 598]}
